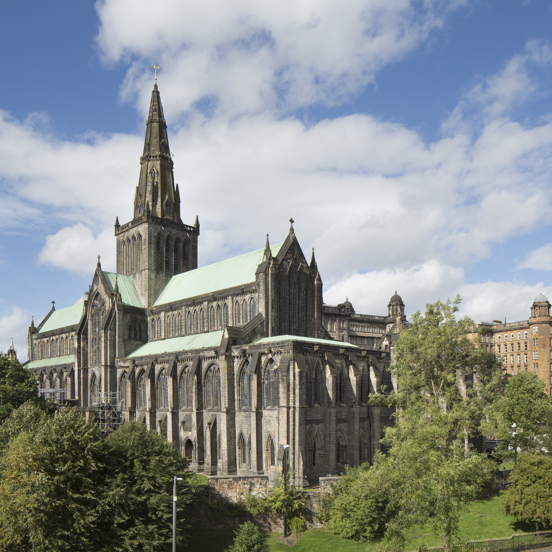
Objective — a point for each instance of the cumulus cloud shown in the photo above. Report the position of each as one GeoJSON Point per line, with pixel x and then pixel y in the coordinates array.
{"type": "Point", "coordinates": [417, 285]}
{"type": "Point", "coordinates": [253, 55]}
{"type": "Point", "coordinates": [538, 259]}
{"type": "Point", "coordinates": [75, 248]}
{"type": "Point", "coordinates": [14, 325]}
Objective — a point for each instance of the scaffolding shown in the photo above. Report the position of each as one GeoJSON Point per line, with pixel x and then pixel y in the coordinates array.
{"type": "Point", "coordinates": [108, 411]}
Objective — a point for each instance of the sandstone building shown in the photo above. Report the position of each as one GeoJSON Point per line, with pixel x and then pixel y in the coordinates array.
{"type": "Point", "coordinates": [523, 346]}
{"type": "Point", "coordinates": [228, 361]}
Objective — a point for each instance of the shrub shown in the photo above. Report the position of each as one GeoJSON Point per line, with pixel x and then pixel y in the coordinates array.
{"type": "Point", "coordinates": [248, 539]}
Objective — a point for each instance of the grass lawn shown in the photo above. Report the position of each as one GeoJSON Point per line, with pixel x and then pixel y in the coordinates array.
{"type": "Point", "coordinates": [483, 519]}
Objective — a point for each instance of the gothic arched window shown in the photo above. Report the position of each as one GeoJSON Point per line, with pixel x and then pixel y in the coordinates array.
{"type": "Point", "coordinates": [183, 389]}
{"type": "Point", "coordinates": [189, 328]}
{"type": "Point", "coordinates": [244, 387]}
{"type": "Point", "coordinates": [153, 333]}
{"type": "Point", "coordinates": [271, 384]}
{"type": "Point", "coordinates": [342, 386]}
{"type": "Point", "coordinates": [270, 451]}
{"type": "Point", "coordinates": [341, 448]}
{"type": "Point", "coordinates": [159, 334]}
{"type": "Point", "coordinates": [159, 252]}
{"type": "Point", "coordinates": [202, 320]}
{"type": "Point", "coordinates": [317, 386]}
{"type": "Point", "coordinates": [225, 316]}
{"type": "Point", "coordinates": [245, 310]}
{"type": "Point", "coordinates": [168, 254]}
{"type": "Point", "coordinates": [141, 395]}
{"type": "Point", "coordinates": [212, 318]}
{"type": "Point", "coordinates": [219, 317]}
{"type": "Point", "coordinates": [212, 388]}
{"type": "Point", "coordinates": [253, 308]}
{"type": "Point", "coordinates": [176, 256]}
{"type": "Point", "coordinates": [122, 391]}
{"type": "Point", "coordinates": [237, 314]}
{"type": "Point", "coordinates": [242, 450]}
{"type": "Point", "coordinates": [162, 390]}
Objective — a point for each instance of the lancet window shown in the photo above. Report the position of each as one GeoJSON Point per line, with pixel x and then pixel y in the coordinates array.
{"type": "Point", "coordinates": [141, 395]}
{"type": "Point", "coordinates": [162, 390]}
{"type": "Point", "coordinates": [212, 388]}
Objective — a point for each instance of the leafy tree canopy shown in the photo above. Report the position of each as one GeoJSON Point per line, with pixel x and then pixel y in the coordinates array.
{"type": "Point", "coordinates": [525, 404]}
{"type": "Point", "coordinates": [443, 385]}
{"type": "Point", "coordinates": [529, 499]}
{"type": "Point", "coordinates": [17, 386]}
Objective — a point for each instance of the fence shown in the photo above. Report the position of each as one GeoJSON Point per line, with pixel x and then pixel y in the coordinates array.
{"type": "Point", "coordinates": [515, 543]}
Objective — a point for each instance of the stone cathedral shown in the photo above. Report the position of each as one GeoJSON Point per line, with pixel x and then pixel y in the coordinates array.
{"type": "Point", "coordinates": [229, 361]}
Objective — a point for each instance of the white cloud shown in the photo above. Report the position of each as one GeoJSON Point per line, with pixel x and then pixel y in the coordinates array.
{"type": "Point", "coordinates": [76, 248]}
{"type": "Point", "coordinates": [508, 300]}
{"type": "Point", "coordinates": [15, 325]}
{"type": "Point", "coordinates": [538, 259]}
{"type": "Point", "coordinates": [417, 285]}
{"type": "Point", "coordinates": [252, 55]}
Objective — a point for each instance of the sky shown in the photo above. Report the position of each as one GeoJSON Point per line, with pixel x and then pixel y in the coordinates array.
{"type": "Point", "coordinates": [411, 142]}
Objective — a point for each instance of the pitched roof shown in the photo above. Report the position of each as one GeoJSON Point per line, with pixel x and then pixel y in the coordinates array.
{"type": "Point", "coordinates": [276, 338]}
{"type": "Point", "coordinates": [45, 362]}
{"type": "Point", "coordinates": [237, 271]}
{"type": "Point", "coordinates": [63, 318]}
{"type": "Point", "coordinates": [127, 289]}
{"type": "Point", "coordinates": [177, 344]}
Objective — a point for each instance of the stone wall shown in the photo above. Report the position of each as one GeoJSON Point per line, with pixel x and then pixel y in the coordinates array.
{"type": "Point", "coordinates": [232, 487]}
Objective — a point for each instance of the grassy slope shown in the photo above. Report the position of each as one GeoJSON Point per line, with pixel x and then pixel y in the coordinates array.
{"type": "Point", "coordinates": [472, 527]}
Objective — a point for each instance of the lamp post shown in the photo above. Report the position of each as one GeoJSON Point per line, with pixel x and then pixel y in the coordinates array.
{"type": "Point", "coordinates": [174, 512]}
{"type": "Point", "coordinates": [514, 427]}
{"type": "Point", "coordinates": [285, 470]}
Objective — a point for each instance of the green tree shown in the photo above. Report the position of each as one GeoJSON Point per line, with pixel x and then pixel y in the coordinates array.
{"type": "Point", "coordinates": [248, 539]}
{"type": "Point", "coordinates": [525, 404]}
{"type": "Point", "coordinates": [17, 386]}
{"type": "Point", "coordinates": [529, 499]}
{"type": "Point", "coordinates": [56, 473]}
{"type": "Point", "coordinates": [358, 506]}
{"type": "Point", "coordinates": [288, 500]}
{"type": "Point", "coordinates": [140, 489]}
{"type": "Point", "coordinates": [444, 382]}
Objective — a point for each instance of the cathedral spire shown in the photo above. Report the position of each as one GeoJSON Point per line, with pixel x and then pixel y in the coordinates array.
{"type": "Point", "coordinates": [267, 252]}
{"type": "Point", "coordinates": [156, 191]}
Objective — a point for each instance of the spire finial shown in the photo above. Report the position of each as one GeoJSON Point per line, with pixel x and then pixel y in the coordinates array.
{"type": "Point", "coordinates": [267, 252]}
{"type": "Point", "coordinates": [291, 221]}
{"type": "Point", "coordinates": [99, 260]}
{"type": "Point", "coordinates": [54, 305]}
{"type": "Point", "coordinates": [155, 69]}
{"type": "Point", "coordinates": [313, 259]}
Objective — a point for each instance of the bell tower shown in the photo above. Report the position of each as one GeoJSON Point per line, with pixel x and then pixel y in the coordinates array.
{"type": "Point", "coordinates": [155, 245]}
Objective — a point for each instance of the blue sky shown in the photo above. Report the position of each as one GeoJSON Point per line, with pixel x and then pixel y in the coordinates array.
{"type": "Point", "coordinates": [411, 142]}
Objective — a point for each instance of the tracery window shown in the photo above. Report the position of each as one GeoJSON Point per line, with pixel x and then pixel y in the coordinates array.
{"type": "Point", "coordinates": [212, 387]}
{"type": "Point", "coordinates": [185, 389]}
{"type": "Point", "coordinates": [253, 308]}
{"type": "Point", "coordinates": [159, 252]}
{"type": "Point", "coordinates": [219, 317]}
{"type": "Point", "coordinates": [271, 386]}
{"type": "Point", "coordinates": [270, 451]}
{"type": "Point", "coordinates": [162, 390]}
{"type": "Point", "coordinates": [226, 317]}
{"type": "Point", "coordinates": [341, 448]}
{"type": "Point", "coordinates": [341, 385]}
{"type": "Point", "coordinates": [122, 391]}
{"type": "Point", "coordinates": [97, 311]}
{"type": "Point", "coordinates": [141, 395]}
{"type": "Point", "coordinates": [168, 254]}
{"type": "Point", "coordinates": [212, 318]}
{"type": "Point", "coordinates": [244, 387]}
{"type": "Point", "coordinates": [237, 314]}
{"type": "Point", "coordinates": [176, 256]}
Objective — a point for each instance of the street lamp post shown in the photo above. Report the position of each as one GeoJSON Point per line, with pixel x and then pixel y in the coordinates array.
{"type": "Point", "coordinates": [174, 512]}
{"type": "Point", "coordinates": [514, 427]}
{"type": "Point", "coordinates": [285, 470]}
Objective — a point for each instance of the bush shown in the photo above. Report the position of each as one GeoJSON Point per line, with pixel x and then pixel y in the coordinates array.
{"type": "Point", "coordinates": [256, 505]}
{"type": "Point", "coordinates": [248, 539]}
{"type": "Point", "coordinates": [529, 499]}
{"type": "Point", "coordinates": [357, 509]}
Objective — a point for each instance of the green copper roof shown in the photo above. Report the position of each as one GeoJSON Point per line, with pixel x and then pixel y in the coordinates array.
{"type": "Point", "coordinates": [237, 271]}
{"type": "Point", "coordinates": [63, 317]}
{"type": "Point", "coordinates": [315, 340]}
{"type": "Point", "coordinates": [45, 362]}
{"type": "Point", "coordinates": [177, 344]}
{"type": "Point", "coordinates": [127, 289]}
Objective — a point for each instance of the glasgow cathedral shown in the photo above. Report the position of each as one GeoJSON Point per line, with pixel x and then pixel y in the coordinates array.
{"type": "Point", "coordinates": [229, 361]}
